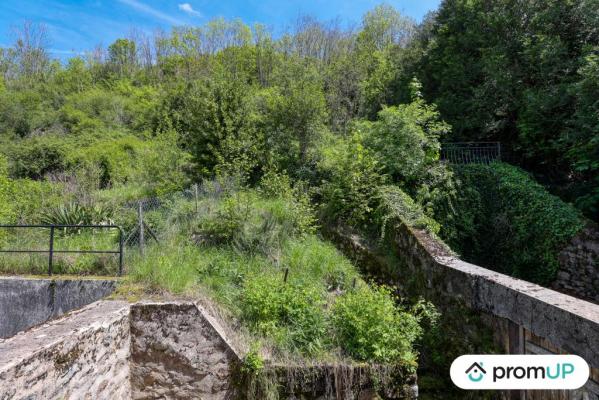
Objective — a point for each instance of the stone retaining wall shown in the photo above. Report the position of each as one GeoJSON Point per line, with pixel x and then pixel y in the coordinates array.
{"type": "Point", "coordinates": [173, 350]}
{"type": "Point", "coordinates": [28, 302]}
{"type": "Point", "coordinates": [177, 353]}
{"type": "Point", "coordinates": [82, 356]}
{"type": "Point", "coordinates": [512, 308]}
{"type": "Point", "coordinates": [579, 266]}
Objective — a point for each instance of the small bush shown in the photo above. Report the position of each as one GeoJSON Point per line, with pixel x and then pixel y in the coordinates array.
{"type": "Point", "coordinates": [348, 192]}
{"type": "Point", "coordinates": [395, 203]}
{"type": "Point", "coordinates": [290, 314]}
{"type": "Point", "coordinates": [369, 326]}
{"type": "Point", "coordinates": [275, 185]}
{"type": "Point", "coordinates": [226, 223]}
{"type": "Point", "coordinates": [256, 225]}
{"type": "Point", "coordinates": [253, 363]}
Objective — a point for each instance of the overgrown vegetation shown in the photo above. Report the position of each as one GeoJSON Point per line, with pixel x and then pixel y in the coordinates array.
{"type": "Point", "coordinates": [505, 220]}
{"type": "Point", "coordinates": [318, 126]}
{"type": "Point", "coordinates": [524, 73]}
{"type": "Point", "coordinates": [257, 255]}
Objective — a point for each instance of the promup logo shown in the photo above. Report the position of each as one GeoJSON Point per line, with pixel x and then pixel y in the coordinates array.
{"type": "Point", "coordinates": [476, 372]}
{"type": "Point", "coordinates": [519, 372]}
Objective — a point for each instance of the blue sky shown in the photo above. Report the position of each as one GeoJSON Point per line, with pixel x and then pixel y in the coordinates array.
{"type": "Point", "coordinates": [75, 26]}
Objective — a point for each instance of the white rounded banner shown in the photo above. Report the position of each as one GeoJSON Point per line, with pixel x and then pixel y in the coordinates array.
{"type": "Point", "coordinates": [519, 372]}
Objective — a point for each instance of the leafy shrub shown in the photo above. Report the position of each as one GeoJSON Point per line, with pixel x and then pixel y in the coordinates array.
{"type": "Point", "coordinates": [22, 200]}
{"type": "Point", "coordinates": [395, 203]}
{"type": "Point", "coordinates": [253, 363]}
{"type": "Point", "coordinates": [226, 223]}
{"type": "Point", "coordinates": [26, 111]}
{"type": "Point", "coordinates": [37, 156]}
{"type": "Point", "coordinates": [287, 313]}
{"type": "Point", "coordinates": [349, 189]}
{"type": "Point", "coordinates": [278, 186]}
{"type": "Point", "coordinates": [523, 226]}
{"type": "Point", "coordinates": [316, 263]}
{"type": "Point", "coordinates": [369, 326]}
{"type": "Point", "coordinates": [6, 211]}
{"type": "Point", "coordinates": [274, 184]}
{"type": "Point", "coordinates": [405, 138]}
{"type": "Point", "coordinates": [95, 109]}
{"type": "Point", "coordinates": [216, 122]}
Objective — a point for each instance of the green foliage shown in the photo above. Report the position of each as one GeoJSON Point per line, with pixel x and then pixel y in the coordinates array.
{"type": "Point", "coordinates": [369, 326]}
{"type": "Point", "coordinates": [252, 364]}
{"type": "Point", "coordinates": [507, 221]}
{"type": "Point", "coordinates": [278, 186]}
{"type": "Point", "coordinates": [406, 141]}
{"type": "Point", "coordinates": [295, 112]}
{"type": "Point", "coordinates": [384, 34]}
{"type": "Point", "coordinates": [216, 122]}
{"type": "Point", "coordinates": [77, 214]}
{"type": "Point", "coordinates": [405, 138]}
{"type": "Point", "coordinates": [23, 200]}
{"type": "Point", "coordinates": [253, 225]}
{"type": "Point", "coordinates": [352, 175]}
{"type": "Point", "coordinates": [583, 137]}
{"type": "Point", "coordinates": [291, 314]}
{"type": "Point", "coordinates": [35, 157]}
{"type": "Point", "coordinates": [24, 112]}
{"type": "Point", "coordinates": [523, 73]}
{"type": "Point", "coordinates": [122, 56]}
{"type": "Point", "coordinates": [395, 204]}
{"type": "Point", "coordinates": [6, 211]}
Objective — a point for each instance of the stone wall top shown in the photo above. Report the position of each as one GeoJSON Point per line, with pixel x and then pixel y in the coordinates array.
{"type": "Point", "coordinates": [80, 356]}
{"type": "Point", "coordinates": [569, 323]}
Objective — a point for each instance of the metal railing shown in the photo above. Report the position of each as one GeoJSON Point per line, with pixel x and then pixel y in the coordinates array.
{"type": "Point", "coordinates": [51, 250]}
{"type": "Point", "coordinates": [471, 152]}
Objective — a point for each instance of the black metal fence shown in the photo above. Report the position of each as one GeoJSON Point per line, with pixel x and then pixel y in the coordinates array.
{"type": "Point", "coordinates": [51, 251]}
{"type": "Point", "coordinates": [471, 152]}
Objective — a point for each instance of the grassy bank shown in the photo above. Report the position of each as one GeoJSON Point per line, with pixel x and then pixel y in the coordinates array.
{"type": "Point", "coordinates": [258, 256]}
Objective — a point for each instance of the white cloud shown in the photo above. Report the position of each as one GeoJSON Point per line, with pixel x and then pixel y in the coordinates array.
{"type": "Point", "coordinates": [139, 6]}
{"type": "Point", "coordinates": [189, 9]}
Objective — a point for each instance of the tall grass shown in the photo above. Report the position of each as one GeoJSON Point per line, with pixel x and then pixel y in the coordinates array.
{"type": "Point", "coordinates": [63, 263]}
{"type": "Point", "coordinates": [259, 258]}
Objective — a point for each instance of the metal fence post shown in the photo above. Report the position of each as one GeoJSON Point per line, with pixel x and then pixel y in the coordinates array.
{"type": "Point", "coordinates": [51, 251]}
{"type": "Point", "coordinates": [140, 216]}
{"type": "Point", "coordinates": [121, 246]}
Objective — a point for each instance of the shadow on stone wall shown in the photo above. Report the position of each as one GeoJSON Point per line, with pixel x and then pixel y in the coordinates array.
{"type": "Point", "coordinates": [578, 274]}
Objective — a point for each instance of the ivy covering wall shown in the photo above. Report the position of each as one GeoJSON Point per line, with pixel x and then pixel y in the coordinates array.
{"type": "Point", "coordinates": [506, 221]}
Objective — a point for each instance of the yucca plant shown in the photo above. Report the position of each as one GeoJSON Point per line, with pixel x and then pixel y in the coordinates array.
{"type": "Point", "coordinates": [77, 214]}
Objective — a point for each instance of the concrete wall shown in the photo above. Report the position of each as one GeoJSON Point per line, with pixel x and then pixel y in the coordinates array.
{"type": "Point", "coordinates": [82, 356]}
{"type": "Point", "coordinates": [28, 302]}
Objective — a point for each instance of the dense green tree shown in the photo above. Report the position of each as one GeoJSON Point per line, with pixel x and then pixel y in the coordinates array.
{"type": "Point", "coordinates": [511, 70]}
{"type": "Point", "coordinates": [295, 111]}
{"type": "Point", "coordinates": [122, 57]}
{"type": "Point", "coordinates": [215, 121]}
